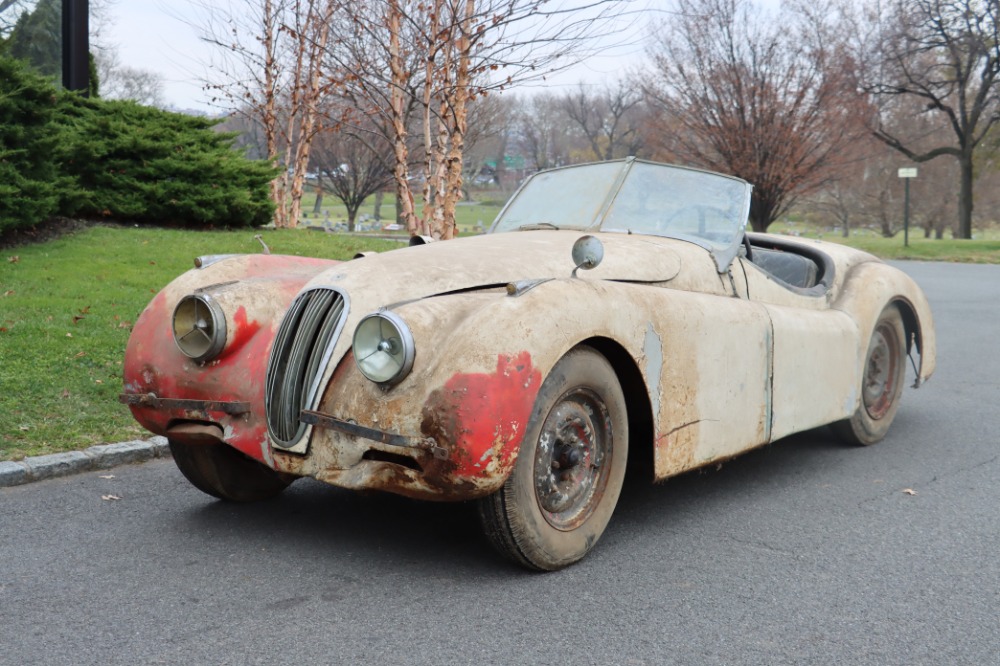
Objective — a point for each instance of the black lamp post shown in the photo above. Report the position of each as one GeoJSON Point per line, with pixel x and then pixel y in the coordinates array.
{"type": "Point", "coordinates": [76, 45]}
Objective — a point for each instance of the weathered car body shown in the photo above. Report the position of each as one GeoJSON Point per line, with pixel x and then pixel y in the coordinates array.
{"type": "Point", "coordinates": [685, 351]}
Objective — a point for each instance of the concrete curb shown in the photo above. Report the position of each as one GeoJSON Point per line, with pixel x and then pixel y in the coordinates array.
{"type": "Point", "coordinates": [103, 456]}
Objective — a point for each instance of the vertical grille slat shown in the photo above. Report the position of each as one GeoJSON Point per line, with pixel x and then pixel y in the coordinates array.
{"type": "Point", "coordinates": [301, 352]}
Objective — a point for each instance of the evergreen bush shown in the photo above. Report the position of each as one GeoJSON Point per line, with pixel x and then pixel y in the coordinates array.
{"type": "Point", "coordinates": [62, 154]}
{"type": "Point", "coordinates": [141, 164]}
{"type": "Point", "coordinates": [30, 179]}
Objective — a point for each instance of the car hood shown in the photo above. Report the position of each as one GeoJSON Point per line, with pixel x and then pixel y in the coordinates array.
{"type": "Point", "coordinates": [494, 259]}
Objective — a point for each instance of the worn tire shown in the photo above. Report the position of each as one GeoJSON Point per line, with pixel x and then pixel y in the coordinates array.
{"type": "Point", "coordinates": [569, 472]}
{"type": "Point", "coordinates": [221, 471]}
{"type": "Point", "coordinates": [882, 383]}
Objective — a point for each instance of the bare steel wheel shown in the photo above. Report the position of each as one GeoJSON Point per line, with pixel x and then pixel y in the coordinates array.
{"type": "Point", "coordinates": [569, 472]}
{"type": "Point", "coordinates": [221, 471]}
{"type": "Point", "coordinates": [881, 384]}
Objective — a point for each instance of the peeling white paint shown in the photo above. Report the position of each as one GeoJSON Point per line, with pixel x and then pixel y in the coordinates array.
{"type": "Point", "coordinates": [652, 350]}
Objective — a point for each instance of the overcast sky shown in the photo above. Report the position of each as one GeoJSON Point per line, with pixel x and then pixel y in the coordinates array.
{"type": "Point", "coordinates": [152, 35]}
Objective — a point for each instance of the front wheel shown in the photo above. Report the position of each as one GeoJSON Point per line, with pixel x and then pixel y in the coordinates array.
{"type": "Point", "coordinates": [221, 471]}
{"type": "Point", "coordinates": [569, 472]}
{"type": "Point", "coordinates": [882, 384]}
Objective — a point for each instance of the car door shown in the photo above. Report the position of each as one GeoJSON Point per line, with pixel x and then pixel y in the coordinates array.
{"type": "Point", "coordinates": [814, 374]}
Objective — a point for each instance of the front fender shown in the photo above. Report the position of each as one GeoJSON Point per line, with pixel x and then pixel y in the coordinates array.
{"type": "Point", "coordinates": [254, 291]}
{"type": "Point", "coordinates": [480, 361]}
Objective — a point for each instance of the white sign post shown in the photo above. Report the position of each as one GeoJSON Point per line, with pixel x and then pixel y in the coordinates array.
{"type": "Point", "coordinates": [906, 173]}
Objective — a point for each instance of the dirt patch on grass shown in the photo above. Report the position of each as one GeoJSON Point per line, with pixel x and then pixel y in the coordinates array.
{"type": "Point", "coordinates": [42, 232]}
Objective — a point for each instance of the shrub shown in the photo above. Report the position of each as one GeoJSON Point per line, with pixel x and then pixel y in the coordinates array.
{"type": "Point", "coordinates": [62, 154]}
{"type": "Point", "coordinates": [30, 179]}
{"type": "Point", "coordinates": [141, 164]}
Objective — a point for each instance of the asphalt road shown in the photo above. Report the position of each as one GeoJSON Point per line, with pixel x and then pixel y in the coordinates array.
{"type": "Point", "coordinates": [804, 552]}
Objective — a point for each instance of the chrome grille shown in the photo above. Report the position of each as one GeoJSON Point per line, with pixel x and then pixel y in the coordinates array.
{"type": "Point", "coordinates": [301, 352]}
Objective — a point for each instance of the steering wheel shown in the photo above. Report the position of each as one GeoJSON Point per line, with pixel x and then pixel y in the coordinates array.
{"type": "Point", "coordinates": [687, 213]}
{"type": "Point", "coordinates": [746, 244]}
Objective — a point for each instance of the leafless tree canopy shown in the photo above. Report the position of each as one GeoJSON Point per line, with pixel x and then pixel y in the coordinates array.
{"type": "Point", "coordinates": [741, 93]}
{"type": "Point", "coordinates": [411, 71]}
{"type": "Point", "coordinates": [118, 81]}
{"type": "Point", "coordinates": [945, 54]}
{"type": "Point", "coordinates": [610, 119]}
{"type": "Point", "coordinates": [352, 166]}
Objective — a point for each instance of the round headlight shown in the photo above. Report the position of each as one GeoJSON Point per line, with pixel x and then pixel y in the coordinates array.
{"type": "Point", "coordinates": [199, 327]}
{"type": "Point", "coordinates": [383, 348]}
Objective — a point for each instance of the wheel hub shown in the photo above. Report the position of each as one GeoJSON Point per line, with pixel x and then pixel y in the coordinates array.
{"type": "Point", "coordinates": [880, 372]}
{"type": "Point", "coordinates": [569, 460]}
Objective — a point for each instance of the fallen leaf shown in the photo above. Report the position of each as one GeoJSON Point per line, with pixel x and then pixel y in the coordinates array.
{"type": "Point", "coordinates": [65, 393]}
{"type": "Point", "coordinates": [909, 491]}
{"type": "Point", "coordinates": [125, 324]}
{"type": "Point", "coordinates": [77, 318]}
{"type": "Point", "coordinates": [99, 381]}
{"type": "Point", "coordinates": [9, 292]}
{"type": "Point", "coordinates": [107, 476]}
{"type": "Point", "coordinates": [107, 498]}
{"type": "Point", "coordinates": [69, 335]}
{"type": "Point", "coordinates": [14, 259]}
{"type": "Point", "coordinates": [85, 310]}
{"type": "Point", "coordinates": [3, 329]}
{"type": "Point", "coordinates": [79, 354]}
{"type": "Point", "coordinates": [24, 428]}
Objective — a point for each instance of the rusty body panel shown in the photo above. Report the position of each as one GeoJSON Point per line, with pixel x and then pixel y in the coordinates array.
{"type": "Point", "coordinates": [426, 371]}
{"type": "Point", "coordinates": [164, 388]}
{"type": "Point", "coordinates": [721, 356]}
{"type": "Point", "coordinates": [728, 361]}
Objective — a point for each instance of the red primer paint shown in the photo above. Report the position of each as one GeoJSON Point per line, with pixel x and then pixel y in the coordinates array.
{"type": "Point", "coordinates": [485, 415]}
{"type": "Point", "coordinates": [244, 330]}
{"type": "Point", "coordinates": [153, 364]}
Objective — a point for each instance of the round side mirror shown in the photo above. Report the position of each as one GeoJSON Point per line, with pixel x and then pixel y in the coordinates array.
{"type": "Point", "coordinates": [588, 251]}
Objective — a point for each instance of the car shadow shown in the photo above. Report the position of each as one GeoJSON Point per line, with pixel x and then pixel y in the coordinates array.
{"type": "Point", "coordinates": [313, 519]}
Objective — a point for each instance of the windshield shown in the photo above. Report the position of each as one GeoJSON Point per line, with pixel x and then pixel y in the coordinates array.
{"type": "Point", "coordinates": [570, 197]}
{"type": "Point", "coordinates": [639, 197]}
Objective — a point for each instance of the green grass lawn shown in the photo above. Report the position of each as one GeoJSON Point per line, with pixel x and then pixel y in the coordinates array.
{"type": "Point", "coordinates": [984, 248]}
{"type": "Point", "coordinates": [469, 215]}
{"type": "Point", "coordinates": [67, 307]}
{"type": "Point", "coordinates": [924, 249]}
{"type": "Point", "coordinates": [66, 310]}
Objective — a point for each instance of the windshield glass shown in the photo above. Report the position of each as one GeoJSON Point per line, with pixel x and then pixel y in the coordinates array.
{"type": "Point", "coordinates": [571, 197]}
{"type": "Point", "coordinates": [639, 197]}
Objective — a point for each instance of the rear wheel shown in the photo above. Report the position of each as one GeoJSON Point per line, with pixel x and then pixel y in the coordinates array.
{"type": "Point", "coordinates": [569, 472]}
{"type": "Point", "coordinates": [882, 384]}
{"type": "Point", "coordinates": [221, 471]}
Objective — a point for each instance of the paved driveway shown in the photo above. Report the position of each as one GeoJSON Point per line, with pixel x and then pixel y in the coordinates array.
{"type": "Point", "coordinates": [802, 552]}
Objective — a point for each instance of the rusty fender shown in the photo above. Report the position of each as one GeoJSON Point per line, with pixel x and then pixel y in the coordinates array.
{"type": "Point", "coordinates": [480, 360]}
{"type": "Point", "coordinates": [164, 388]}
{"type": "Point", "coordinates": [872, 286]}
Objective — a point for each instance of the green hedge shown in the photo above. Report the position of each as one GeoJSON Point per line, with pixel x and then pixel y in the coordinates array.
{"type": "Point", "coordinates": [62, 154]}
{"type": "Point", "coordinates": [31, 181]}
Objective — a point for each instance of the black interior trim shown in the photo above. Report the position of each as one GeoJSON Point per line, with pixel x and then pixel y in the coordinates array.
{"type": "Point", "coordinates": [824, 264]}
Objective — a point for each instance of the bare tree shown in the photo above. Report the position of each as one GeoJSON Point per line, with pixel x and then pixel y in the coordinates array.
{"type": "Point", "coordinates": [946, 55]}
{"type": "Point", "coordinates": [353, 166]}
{"type": "Point", "coordinates": [609, 119]}
{"type": "Point", "coordinates": [767, 101]}
{"type": "Point", "coordinates": [270, 68]}
{"type": "Point", "coordinates": [542, 130]}
{"type": "Point", "coordinates": [123, 82]}
{"type": "Point", "coordinates": [10, 12]}
{"type": "Point", "coordinates": [431, 61]}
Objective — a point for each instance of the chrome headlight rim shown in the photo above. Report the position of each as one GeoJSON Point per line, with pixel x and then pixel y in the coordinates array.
{"type": "Point", "coordinates": [198, 325]}
{"type": "Point", "coordinates": [396, 343]}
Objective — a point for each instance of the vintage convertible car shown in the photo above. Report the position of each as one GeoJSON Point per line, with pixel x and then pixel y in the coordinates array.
{"type": "Point", "coordinates": [614, 310]}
